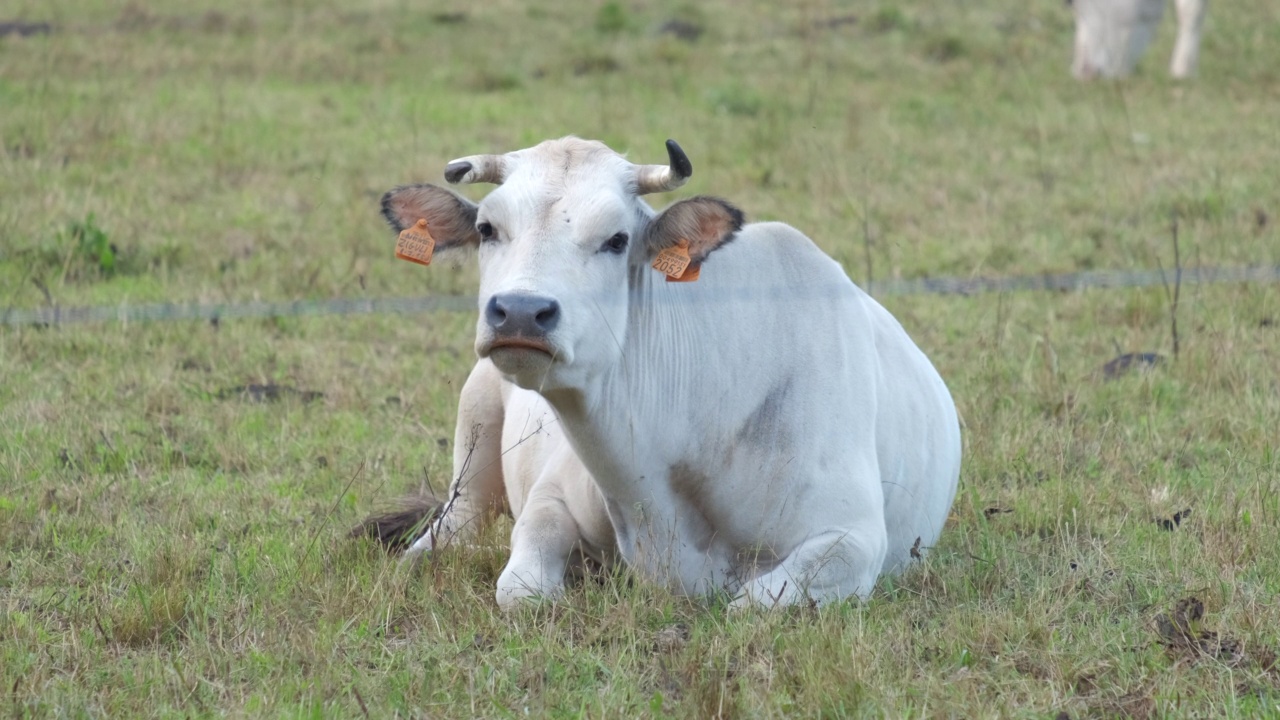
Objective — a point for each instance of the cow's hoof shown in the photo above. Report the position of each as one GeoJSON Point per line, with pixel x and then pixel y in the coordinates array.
{"type": "Point", "coordinates": [512, 596]}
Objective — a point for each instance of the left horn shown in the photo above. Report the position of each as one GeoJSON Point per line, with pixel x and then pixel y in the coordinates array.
{"type": "Point", "coordinates": [477, 169]}
{"type": "Point", "coordinates": [663, 178]}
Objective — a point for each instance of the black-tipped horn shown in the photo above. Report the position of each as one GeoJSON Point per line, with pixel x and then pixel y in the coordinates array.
{"type": "Point", "coordinates": [680, 164]}
{"type": "Point", "coordinates": [477, 169]}
{"type": "Point", "coordinates": [661, 178]}
{"type": "Point", "coordinates": [456, 170]}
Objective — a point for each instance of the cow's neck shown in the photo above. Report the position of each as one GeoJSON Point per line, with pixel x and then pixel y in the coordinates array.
{"type": "Point", "coordinates": [621, 421]}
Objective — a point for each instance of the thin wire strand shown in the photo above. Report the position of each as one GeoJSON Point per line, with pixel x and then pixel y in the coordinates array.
{"type": "Point", "coordinates": [1091, 280]}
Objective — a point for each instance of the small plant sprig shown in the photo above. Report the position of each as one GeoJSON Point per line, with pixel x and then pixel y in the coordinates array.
{"type": "Point", "coordinates": [1173, 294]}
{"type": "Point", "coordinates": [91, 244]}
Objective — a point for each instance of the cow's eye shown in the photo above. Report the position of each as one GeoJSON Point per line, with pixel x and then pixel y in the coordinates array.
{"type": "Point", "coordinates": [616, 244]}
{"type": "Point", "coordinates": [486, 232]}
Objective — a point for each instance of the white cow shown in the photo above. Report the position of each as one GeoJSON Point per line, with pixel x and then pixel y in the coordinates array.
{"type": "Point", "coordinates": [768, 430]}
{"type": "Point", "coordinates": [1111, 35]}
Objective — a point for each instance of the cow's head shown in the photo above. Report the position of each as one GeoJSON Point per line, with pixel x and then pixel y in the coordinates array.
{"type": "Point", "coordinates": [562, 243]}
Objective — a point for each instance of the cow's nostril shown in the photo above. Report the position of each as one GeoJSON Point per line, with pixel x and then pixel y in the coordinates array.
{"type": "Point", "coordinates": [548, 316]}
{"type": "Point", "coordinates": [495, 313]}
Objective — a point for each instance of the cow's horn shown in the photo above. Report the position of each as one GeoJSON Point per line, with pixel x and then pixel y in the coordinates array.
{"type": "Point", "coordinates": [661, 178]}
{"type": "Point", "coordinates": [476, 169]}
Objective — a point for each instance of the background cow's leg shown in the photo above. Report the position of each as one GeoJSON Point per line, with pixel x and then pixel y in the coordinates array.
{"type": "Point", "coordinates": [1187, 50]}
{"type": "Point", "coordinates": [477, 491]}
{"type": "Point", "coordinates": [1111, 35]}
{"type": "Point", "coordinates": [1089, 60]}
{"type": "Point", "coordinates": [542, 541]}
{"type": "Point", "coordinates": [1141, 29]}
{"type": "Point", "coordinates": [828, 566]}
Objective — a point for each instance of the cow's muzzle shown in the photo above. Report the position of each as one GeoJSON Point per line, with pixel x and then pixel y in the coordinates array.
{"type": "Point", "coordinates": [521, 316]}
{"type": "Point", "coordinates": [518, 342]}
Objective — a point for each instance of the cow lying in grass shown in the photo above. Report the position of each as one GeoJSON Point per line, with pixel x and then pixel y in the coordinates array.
{"type": "Point", "coordinates": [761, 427]}
{"type": "Point", "coordinates": [1111, 35]}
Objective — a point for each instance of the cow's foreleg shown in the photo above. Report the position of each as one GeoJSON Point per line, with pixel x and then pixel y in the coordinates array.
{"type": "Point", "coordinates": [1187, 51]}
{"type": "Point", "coordinates": [544, 537]}
{"type": "Point", "coordinates": [477, 491]}
{"type": "Point", "coordinates": [828, 566]}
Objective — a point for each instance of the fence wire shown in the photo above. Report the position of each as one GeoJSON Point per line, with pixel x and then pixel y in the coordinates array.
{"type": "Point", "coordinates": [56, 315]}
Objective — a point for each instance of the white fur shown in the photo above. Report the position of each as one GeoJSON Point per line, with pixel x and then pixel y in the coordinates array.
{"type": "Point", "coordinates": [769, 430]}
{"type": "Point", "coordinates": [1111, 35]}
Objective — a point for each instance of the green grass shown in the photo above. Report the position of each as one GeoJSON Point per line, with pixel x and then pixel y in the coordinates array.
{"type": "Point", "coordinates": [167, 548]}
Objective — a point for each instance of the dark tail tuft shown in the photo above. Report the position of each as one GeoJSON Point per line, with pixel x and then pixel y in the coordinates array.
{"type": "Point", "coordinates": [396, 529]}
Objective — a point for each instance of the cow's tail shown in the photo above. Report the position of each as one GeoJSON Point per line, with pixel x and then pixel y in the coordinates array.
{"type": "Point", "coordinates": [397, 528]}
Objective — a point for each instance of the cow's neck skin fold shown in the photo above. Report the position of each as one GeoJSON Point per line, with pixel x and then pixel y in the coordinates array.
{"type": "Point", "coordinates": [610, 421]}
{"type": "Point", "coordinates": [652, 380]}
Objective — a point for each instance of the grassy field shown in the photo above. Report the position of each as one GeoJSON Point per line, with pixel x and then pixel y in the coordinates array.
{"type": "Point", "coordinates": [171, 546]}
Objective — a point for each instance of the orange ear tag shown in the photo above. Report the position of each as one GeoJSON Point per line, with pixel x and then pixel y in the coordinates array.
{"type": "Point", "coordinates": [691, 274]}
{"type": "Point", "coordinates": [674, 262]}
{"type": "Point", "coordinates": [415, 244]}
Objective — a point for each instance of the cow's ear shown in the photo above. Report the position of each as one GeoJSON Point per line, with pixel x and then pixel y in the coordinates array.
{"type": "Point", "coordinates": [705, 223]}
{"type": "Point", "coordinates": [451, 218]}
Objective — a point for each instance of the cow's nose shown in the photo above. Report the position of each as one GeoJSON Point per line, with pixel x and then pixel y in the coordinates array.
{"type": "Point", "coordinates": [522, 314]}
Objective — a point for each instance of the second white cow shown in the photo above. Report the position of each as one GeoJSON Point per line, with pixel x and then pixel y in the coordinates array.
{"type": "Point", "coordinates": [768, 430]}
{"type": "Point", "coordinates": [1111, 35]}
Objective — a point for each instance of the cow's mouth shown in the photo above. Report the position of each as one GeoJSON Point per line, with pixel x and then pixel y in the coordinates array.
{"type": "Point", "coordinates": [520, 344]}
{"type": "Point", "coordinates": [523, 360]}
